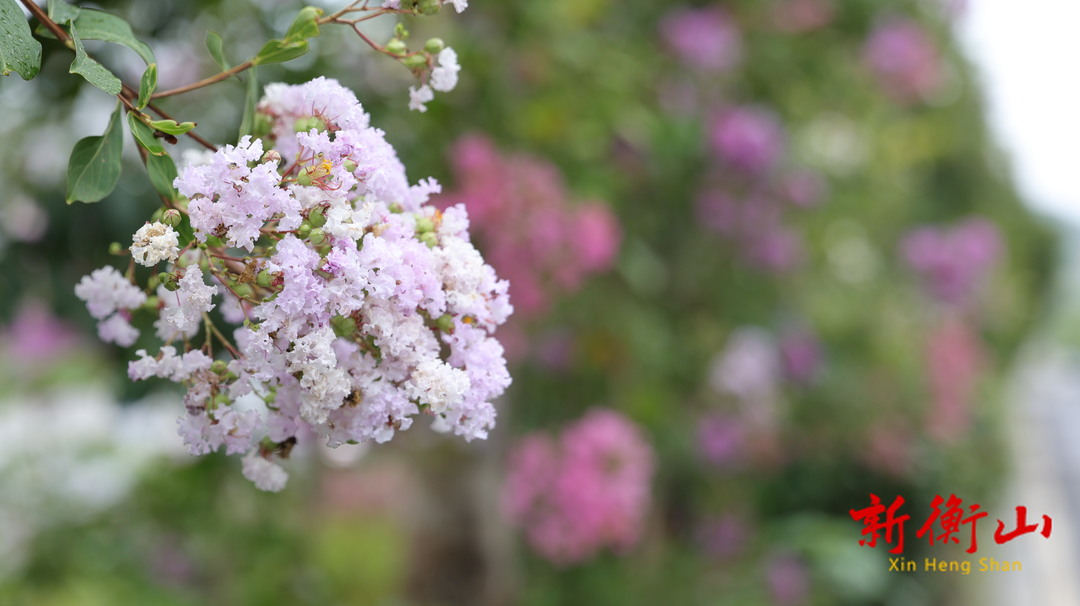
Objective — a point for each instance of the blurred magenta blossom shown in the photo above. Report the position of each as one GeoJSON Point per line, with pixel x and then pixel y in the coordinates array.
{"type": "Point", "coordinates": [521, 213]}
{"type": "Point", "coordinates": [704, 38]}
{"type": "Point", "coordinates": [747, 138]}
{"type": "Point", "coordinates": [530, 230]}
{"type": "Point", "coordinates": [585, 490]}
{"type": "Point", "coordinates": [788, 579]}
{"type": "Point", "coordinates": [36, 335]}
{"type": "Point", "coordinates": [954, 359]}
{"type": "Point", "coordinates": [797, 16]}
{"type": "Point", "coordinates": [904, 60]}
{"type": "Point", "coordinates": [953, 262]}
{"type": "Point", "coordinates": [800, 354]}
{"type": "Point", "coordinates": [724, 536]}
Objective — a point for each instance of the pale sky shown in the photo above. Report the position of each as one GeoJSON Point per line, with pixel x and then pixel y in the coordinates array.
{"type": "Point", "coordinates": [1029, 56]}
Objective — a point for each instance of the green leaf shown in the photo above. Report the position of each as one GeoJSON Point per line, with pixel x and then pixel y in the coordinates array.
{"type": "Point", "coordinates": [94, 72]}
{"type": "Point", "coordinates": [170, 127]}
{"type": "Point", "coordinates": [217, 50]}
{"type": "Point", "coordinates": [94, 167]}
{"type": "Point", "coordinates": [306, 25]}
{"type": "Point", "coordinates": [62, 12]}
{"type": "Point", "coordinates": [147, 85]}
{"type": "Point", "coordinates": [247, 122]}
{"type": "Point", "coordinates": [99, 25]}
{"type": "Point", "coordinates": [145, 135]}
{"type": "Point", "coordinates": [19, 51]}
{"type": "Point", "coordinates": [280, 51]}
{"type": "Point", "coordinates": [162, 171]}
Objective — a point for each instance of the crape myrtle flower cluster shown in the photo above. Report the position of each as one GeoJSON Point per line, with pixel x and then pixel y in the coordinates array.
{"type": "Point", "coordinates": [356, 305]}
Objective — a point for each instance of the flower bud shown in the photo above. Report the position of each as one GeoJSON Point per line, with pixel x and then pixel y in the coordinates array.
{"type": "Point", "coordinates": [307, 123]}
{"type": "Point", "coordinates": [429, 7]}
{"type": "Point", "coordinates": [169, 281]}
{"type": "Point", "coordinates": [116, 249]}
{"type": "Point", "coordinates": [317, 237]}
{"type": "Point", "coordinates": [396, 47]}
{"type": "Point", "coordinates": [416, 61]}
{"type": "Point", "coordinates": [304, 231]}
{"type": "Point", "coordinates": [264, 279]}
{"type": "Point", "coordinates": [429, 239]}
{"type": "Point", "coordinates": [172, 217]}
{"type": "Point", "coordinates": [156, 217]}
{"type": "Point", "coordinates": [317, 217]}
{"type": "Point", "coordinates": [434, 45]}
{"type": "Point", "coordinates": [219, 368]}
{"type": "Point", "coordinates": [424, 225]}
{"type": "Point", "coordinates": [445, 323]}
{"type": "Point", "coordinates": [243, 291]}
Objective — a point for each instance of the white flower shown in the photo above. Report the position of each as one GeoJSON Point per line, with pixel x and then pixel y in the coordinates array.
{"type": "Point", "coordinates": [437, 384]}
{"type": "Point", "coordinates": [266, 475]}
{"type": "Point", "coordinates": [153, 243]}
{"type": "Point", "coordinates": [105, 290]}
{"type": "Point", "coordinates": [460, 5]}
{"type": "Point", "coordinates": [445, 77]}
{"type": "Point", "coordinates": [418, 97]}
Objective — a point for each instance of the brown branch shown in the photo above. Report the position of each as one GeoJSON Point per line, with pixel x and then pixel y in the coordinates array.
{"type": "Point", "coordinates": [232, 71]}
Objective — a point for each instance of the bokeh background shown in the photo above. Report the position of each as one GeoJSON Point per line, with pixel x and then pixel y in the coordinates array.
{"type": "Point", "coordinates": [766, 260]}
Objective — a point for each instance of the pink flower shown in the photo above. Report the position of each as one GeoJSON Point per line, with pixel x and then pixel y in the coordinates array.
{"type": "Point", "coordinates": [585, 491]}
{"type": "Point", "coordinates": [953, 262]}
{"type": "Point", "coordinates": [904, 60]}
{"type": "Point", "coordinates": [747, 138]}
{"type": "Point", "coordinates": [703, 38]}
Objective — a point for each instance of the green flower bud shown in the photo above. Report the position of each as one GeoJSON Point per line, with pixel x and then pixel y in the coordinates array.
{"type": "Point", "coordinates": [264, 279]}
{"type": "Point", "coordinates": [424, 225]}
{"type": "Point", "coordinates": [429, 7]}
{"type": "Point", "coordinates": [395, 208]}
{"type": "Point", "coordinates": [445, 323]}
{"type": "Point", "coordinates": [172, 218]}
{"type": "Point", "coordinates": [154, 218]}
{"type": "Point", "coordinates": [304, 178]}
{"type": "Point", "coordinates": [317, 217]}
{"type": "Point", "coordinates": [429, 239]}
{"type": "Point", "coordinates": [116, 249]}
{"type": "Point", "coordinates": [219, 368]}
{"type": "Point", "coordinates": [396, 47]}
{"type": "Point", "coordinates": [401, 32]}
{"type": "Point", "coordinates": [304, 231]}
{"type": "Point", "coordinates": [417, 61]}
{"type": "Point", "coordinates": [306, 123]}
{"type": "Point", "coordinates": [152, 301]}
{"type": "Point", "coordinates": [168, 280]}
{"type": "Point", "coordinates": [243, 290]}
{"type": "Point", "coordinates": [318, 238]}
{"type": "Point", "coordinates": [434, 45]}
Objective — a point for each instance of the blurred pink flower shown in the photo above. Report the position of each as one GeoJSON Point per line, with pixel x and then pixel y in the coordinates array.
{"type": "Point", "coordinates": [954, 358]}
{"type": "Point", "coordinates": [522, 216]}
{"type": "Point", "coordinates": [724, 536]}
{"type": "Point", "coordinates": [800, 354]}
{"type": "Point", "coordinates": [953, 262]}
{"type": "Point", "coordinates": [904, 60]}
{"type": "Point", "coordinates": [722, 439]}
{"type": "Point", "coordinates": [747, 138]}
{"type": "Point", "coordinates": [583, 492]}
{"type": "Point", "coordinates": [705, 38]}
{"type": "Point", "coordinates": [36, 335]}
{"type": "Point", "coordinates": [788, 580]}
{"type": "Point", "coordinates": [802, 15]}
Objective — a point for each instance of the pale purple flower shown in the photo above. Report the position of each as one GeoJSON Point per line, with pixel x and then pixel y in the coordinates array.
{"type": "Point", "coordinates": [419, 97]}
{"type": "Point", "coordinates": [704, 38]}
{"type": "Point", "coordinates": [747, 139]}
{"type": "Point", "coordinates": [788, 580]}
{"type": "Point", "coordinates": [444, 76]}
{"type": "Point", "coordinates": [105, 290]}
{"type": "Point", "coordinates": [266, 474]}
{"type": "Point", "coordinates": [953, 262]}
{"type": "Point", "coordinates": [904, 60]}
